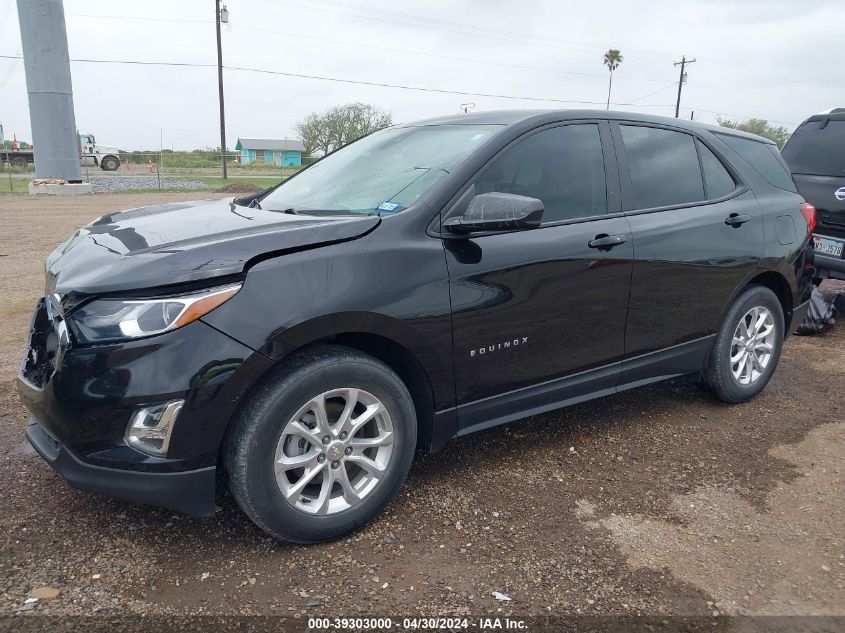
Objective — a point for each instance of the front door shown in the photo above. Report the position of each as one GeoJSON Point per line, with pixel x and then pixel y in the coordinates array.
{"type": "Point", "coordinates": [539, 315]}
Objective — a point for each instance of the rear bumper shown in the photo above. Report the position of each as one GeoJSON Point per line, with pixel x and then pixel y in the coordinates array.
{"type": "Point", "coordinates": [827, 266]}
{"type": "Point", "coordinates": [190, 491]}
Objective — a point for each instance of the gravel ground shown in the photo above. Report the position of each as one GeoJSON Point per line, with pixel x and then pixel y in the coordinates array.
{"type": "Point", "coordinates": [657, 501]}
{"type": "Point", "coordinates": [110, 184]}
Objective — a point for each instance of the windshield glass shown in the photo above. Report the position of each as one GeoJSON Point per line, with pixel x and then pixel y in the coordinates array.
{"type": "Point", "coordinates": [384, 172]}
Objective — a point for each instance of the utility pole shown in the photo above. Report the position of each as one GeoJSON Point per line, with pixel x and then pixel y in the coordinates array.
{"type": "Point", "coordinates": [684, 61]}
{"type": "Point", "coordinates": [217, 19]}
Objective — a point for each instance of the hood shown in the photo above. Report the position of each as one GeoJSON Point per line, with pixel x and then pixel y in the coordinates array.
{"type": "Point", "coordinates": [170, 244]}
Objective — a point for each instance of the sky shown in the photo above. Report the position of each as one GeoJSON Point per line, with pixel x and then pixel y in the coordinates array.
{"type": "Point", "coordinates": [771, 59]}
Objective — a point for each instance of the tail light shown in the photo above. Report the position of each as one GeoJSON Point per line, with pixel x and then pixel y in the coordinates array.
{"type": "Point", "coordinates": [809, 213]}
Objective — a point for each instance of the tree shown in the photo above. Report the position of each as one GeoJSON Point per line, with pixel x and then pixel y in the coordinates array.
{"type": "Point", "coordinates": [325, 132]}
{"type": "Point", "coordinates": [760, 127]}
{"type": "Point", "coordinates": [612, 59]}
{"type": "Point", "coordinates": [314, 133]}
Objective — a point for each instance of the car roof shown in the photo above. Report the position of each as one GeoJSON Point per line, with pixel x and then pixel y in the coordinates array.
{"type": "Point", "coordinates": [835, 114]}
{"type": "Point", "coordinates": [540, 117]}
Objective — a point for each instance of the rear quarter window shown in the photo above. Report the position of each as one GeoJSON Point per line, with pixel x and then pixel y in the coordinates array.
{"type": "Point", "coordinates": [764, 158]}
{"type": "Point", "coordinates": [817, 148]}
{"type": "Point", "coordinates": [717, 180]}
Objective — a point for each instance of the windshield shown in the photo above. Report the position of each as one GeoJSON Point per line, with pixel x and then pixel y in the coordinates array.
{"type": "Point", "coordinates": [384, 172]}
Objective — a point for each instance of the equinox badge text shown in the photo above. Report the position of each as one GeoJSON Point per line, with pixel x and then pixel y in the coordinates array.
{"type": "Point", "coordinates": [498, 347]}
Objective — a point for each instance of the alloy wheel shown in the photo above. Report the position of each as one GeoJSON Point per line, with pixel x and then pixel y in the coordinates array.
{"type": "Point", "coordinates": [753, 345]}
{"type": "Point", "coordinates": [334, 451]}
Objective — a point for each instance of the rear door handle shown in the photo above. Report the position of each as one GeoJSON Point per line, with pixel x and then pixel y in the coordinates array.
{"type": "Point", "coordinates": [603, 240]}
{"type": "Point", "coordinates": [737, 219]}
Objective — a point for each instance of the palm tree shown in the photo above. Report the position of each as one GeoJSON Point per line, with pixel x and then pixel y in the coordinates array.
{"type": "Point", "coordinates": [612, 59]}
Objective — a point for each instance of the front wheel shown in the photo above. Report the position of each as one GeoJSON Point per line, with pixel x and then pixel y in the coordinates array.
{"type": "Point", "coordinates": [321, 450]}
{"type": "Point", "coordinates": [748, 346]}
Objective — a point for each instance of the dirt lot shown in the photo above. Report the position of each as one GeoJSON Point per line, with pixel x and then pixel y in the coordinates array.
{"type": "Point", "coordinates": [657, 501]}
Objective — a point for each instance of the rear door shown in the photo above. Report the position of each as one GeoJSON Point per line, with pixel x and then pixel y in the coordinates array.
{"type": "Point", "coordinates": [534, 311]}
{"type": "Point", "coordinates": [697, 233]}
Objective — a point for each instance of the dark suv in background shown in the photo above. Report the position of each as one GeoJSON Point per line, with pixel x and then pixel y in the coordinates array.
{"type": "Point", "coordinates": [430, 280]}
{"type": "Point", "coordinates": [816, 155]}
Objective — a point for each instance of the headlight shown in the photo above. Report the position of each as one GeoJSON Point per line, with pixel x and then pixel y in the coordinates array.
{"type": "Point", "coordinates": [120, 319]}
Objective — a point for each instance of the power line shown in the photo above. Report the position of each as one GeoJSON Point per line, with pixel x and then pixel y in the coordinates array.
{"type": "Point", "coordinates": [9, 73]}
{"type": "Point", "coordinates": [126, 61]}
{"type": "Point", "coordinates": [523, 37]}
{"type": "Point", "coordinates": [661, 56]}
{"type": "Point", "coordinates": [405, 51]}
{"type": "Point", "coordinates": [530, 40]}
{"type": "Point", "coordinates": [438, 56]}
{"type": "Point", "coordinates": [738, 116]}
{"type": "Point", "coordinates": [370, 46]}
{"type": "Point", "coordinates": [341, 80]}
{"type": "Point", "coordinates": [397, 86]}
{"type": "Point", "coordinates": [671, 85]}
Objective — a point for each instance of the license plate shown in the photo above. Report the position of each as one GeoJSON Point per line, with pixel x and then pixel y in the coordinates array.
{"type": "Point", "coordinates": [828, 246]}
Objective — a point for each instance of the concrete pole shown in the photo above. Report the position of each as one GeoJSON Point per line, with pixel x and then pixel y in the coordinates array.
{"type": "Point", "coordinates": [47, 66]}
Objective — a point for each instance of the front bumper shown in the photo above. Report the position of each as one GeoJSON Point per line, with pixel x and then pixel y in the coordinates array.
{"type": "Point", "coordinates": [190, 491]}
{"type": "Point", "coordinates": [83, 397]}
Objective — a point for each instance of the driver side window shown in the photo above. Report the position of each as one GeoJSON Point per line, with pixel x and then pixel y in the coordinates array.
{"type": "Point", "coordinates": [562, 166]}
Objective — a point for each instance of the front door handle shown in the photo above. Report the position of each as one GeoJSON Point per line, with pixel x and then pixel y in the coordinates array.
{"type": "Point", "coordinates": [737, 219]}
{"type": "Point", "coordinates": [605, 241]}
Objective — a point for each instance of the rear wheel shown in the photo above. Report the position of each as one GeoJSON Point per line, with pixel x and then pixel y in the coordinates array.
{"type": "Point", "coordinates": [18, 161]}
{"type": "Point", "coordinates": [748, 346]}
{"type": "Point", "coordinates": [322, 449]}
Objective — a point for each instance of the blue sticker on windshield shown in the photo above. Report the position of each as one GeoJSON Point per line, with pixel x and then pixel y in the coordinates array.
{"type": "Point", "coordinates": [387, 206]}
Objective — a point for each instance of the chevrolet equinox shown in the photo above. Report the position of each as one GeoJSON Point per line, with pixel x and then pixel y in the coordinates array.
{"type": "Point", "coordinates": [426, 281]}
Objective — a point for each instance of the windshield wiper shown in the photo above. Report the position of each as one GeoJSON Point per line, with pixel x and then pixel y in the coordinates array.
{"type": "Point", "coordinates": [321, 212]}
{"type": "Point", "coordinates": [254, 204]}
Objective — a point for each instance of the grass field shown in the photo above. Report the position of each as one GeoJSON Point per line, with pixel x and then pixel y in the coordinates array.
{"type": "Point", "coordinates": [13, 185]}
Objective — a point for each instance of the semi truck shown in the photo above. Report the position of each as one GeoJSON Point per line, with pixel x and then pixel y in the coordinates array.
{"type": "Point", "coordinates": [90, 154]}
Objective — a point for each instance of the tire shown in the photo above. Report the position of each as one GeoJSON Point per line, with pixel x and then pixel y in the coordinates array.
{"type": "Point", "coordinates": [110, 163]}
{"type": "Point", "coordinates": [722, 368]}
{"type": "Point", "coordinates": [264, 434]}
{"type": "Point", "coordinates": [19, 162]}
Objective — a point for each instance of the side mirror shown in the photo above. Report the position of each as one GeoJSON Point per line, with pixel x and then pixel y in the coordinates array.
{"type": "Point", "coordinates": [491, 212]}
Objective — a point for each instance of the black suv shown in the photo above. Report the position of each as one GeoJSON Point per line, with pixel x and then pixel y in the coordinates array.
{"type": "Point", "coordinates": [816, 155]}
{"type": "Point", "coordinates": [427, 281]}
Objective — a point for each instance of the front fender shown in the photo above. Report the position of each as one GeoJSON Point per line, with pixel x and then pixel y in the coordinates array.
{"type": "Point", "coordinates": [381, 286]}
